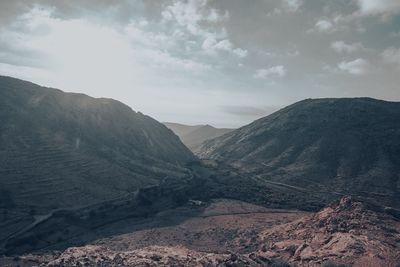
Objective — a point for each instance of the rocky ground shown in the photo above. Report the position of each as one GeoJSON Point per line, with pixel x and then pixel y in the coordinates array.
{"type": "Point", "coordinates": [234, 233]}
{"type": "Point", "coordinates": [346, 232]}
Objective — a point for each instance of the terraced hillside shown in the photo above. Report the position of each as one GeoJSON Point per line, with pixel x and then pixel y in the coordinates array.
{"type": "Point", "coordinates": [321, 149]}
{"type": "Point", "coordinates": [65, 150]}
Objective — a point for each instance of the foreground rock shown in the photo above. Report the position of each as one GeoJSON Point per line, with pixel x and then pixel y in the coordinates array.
{"type": "Point", "coordinates": [150, 256]}
{"type": "Point", "coordinates": [345, 232]}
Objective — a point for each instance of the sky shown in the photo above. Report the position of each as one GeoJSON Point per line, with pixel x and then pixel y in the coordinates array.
{"type": "Point", "coordinates": [219, 62]}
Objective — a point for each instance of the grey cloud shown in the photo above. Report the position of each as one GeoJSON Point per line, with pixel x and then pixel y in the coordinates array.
{"type": "Point", "coordinates": [392, 55]}
{"type": "Point", "coordinates": [343, 47]}
{"type": "Point", "coordinates": [358, 66]}
{"type": "Point", "coordinates": [387, 7]}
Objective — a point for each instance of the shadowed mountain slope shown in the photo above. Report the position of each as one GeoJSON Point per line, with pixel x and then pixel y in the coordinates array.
{"type": "Point", "coordinates": [194, 136]}
{"type": "Point", "coordinates": [61, 150]}
{"type": "Point", "coordinates": [331, 146]}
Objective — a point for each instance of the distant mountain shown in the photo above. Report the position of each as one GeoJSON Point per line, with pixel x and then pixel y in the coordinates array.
{"type": "Point", "coordinates": [181, 129]}
{"type": "Point", "coordinates": [67, 150]}
{"type": "Point", "coordinates": [194, 136]}
{"type": "Point", "coordinates": [319, 148]}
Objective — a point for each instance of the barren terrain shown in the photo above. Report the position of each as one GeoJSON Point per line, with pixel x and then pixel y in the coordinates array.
{"type": "Point", "coordinates": [235, 233]}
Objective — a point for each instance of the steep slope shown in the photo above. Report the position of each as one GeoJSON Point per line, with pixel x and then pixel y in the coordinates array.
{"type": "Point", "coordinates": [329, 146]}
{"type": "Point", "coordinates": [194, 136]}
{"type": "Point", "coordinates": [66, 150]}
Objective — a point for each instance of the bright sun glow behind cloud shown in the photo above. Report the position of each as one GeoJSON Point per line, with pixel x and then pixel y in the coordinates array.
{"type": "Point", "coordinates": [79, 54]}
{"type": "Point", "coordinates": [82, 56]}
{"type": "Point", "coordinates": [76, 53]}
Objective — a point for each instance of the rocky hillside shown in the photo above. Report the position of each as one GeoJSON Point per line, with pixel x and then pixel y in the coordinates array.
{"type": "Point", "coordinates": [64, 150]}
{"type": "Point", "coordinates": [194, 136]}
{"type": "Point", "coordinates": [326, 146]}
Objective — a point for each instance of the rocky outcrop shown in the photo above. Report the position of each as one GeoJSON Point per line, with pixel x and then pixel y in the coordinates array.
{"type": "Point", "coordinates": [151, 256]}
{"type": "Point", "coordinates": [345, 233]}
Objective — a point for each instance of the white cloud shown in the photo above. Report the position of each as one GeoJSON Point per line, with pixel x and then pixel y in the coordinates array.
{"type": "Point", "coordinates": [292, 5]}
{"type": "Point", "coordinates": [391, 55]}
{"type": "Point", "coordinates": [190, 14]}
{"type": "Point", "coordinates": [324, 25]}
{"type": "Point", "coordinates": [338, 23]}
{"type": "Point", "coordinates": [211, 46]}
{"type": "Point", "coordinates": [377, 7]}
{"type": "Point", "coordinates": [342, 47]}
{"type": "Point", "coordinates": [278, 71]}
{"type": "Point", "coordinates": [356, 67]}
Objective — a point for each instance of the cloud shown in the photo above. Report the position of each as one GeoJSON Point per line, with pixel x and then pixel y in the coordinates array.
{"type": "Point", "coordinates": [278, 71]}
{"type": "Point", "coordinates": [338, 22]}
{"type": "Point", "coordinates": [391, 55]}
{"type": "Point", "coordinates": [324, 25]}
{"type": "Point", "coordinates": [356, 67]}
{"type": "Point", "coordinates": [203, 53]}
{"type": "Point", "coordinates": [343, 47]}
{"type": "Point", "coordinates": [82, 55]}
{"type": "Point", "coordinates": [211, 46]}
{"type": "Point", "coordinates": [379, 7]}
{"type": "Point", "coordinates": [292, 5]}
{"type": "Point", "coordinates": [191, 14]}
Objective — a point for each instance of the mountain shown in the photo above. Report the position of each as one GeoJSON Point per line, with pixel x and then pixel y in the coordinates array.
{"type": "Point", "coordinates": [319, 148]}
{"type": "Point", "coordinates": [67, 150]}
{"type": "Point", "coordinates": [194, 136]}
{"type": "Point", "coordinates": [181, 129]}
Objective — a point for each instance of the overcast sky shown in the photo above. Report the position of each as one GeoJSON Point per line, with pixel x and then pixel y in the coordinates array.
{"type": "Point", "coordinates": [221, 62]}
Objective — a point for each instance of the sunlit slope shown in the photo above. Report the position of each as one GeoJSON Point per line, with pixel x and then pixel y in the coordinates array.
{"type": "Point", "coordinates": [65, 150]}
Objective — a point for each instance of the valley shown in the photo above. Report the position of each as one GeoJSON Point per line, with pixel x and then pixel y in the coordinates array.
{"type": "Point", "coordinates": [193, 136]}
{"type": "Point", "coordinates": [90, 182]}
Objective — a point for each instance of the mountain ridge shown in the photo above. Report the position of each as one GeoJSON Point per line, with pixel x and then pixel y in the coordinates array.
{"type": "Point", "coordinates": [320, 144]}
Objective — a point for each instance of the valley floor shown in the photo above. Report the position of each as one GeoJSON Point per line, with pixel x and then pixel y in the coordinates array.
{"type": "Point", "coordinates": [223, 227]}
{"type": "Point", "coordinates": [235, 233]}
